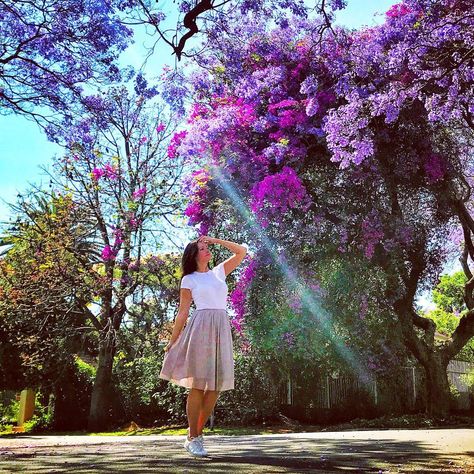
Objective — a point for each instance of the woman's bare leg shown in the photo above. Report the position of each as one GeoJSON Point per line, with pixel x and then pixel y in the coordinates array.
{"type": "Point", "coordinates": [194, 403]}
{"type": "Point", "coordinates": [208, 402]}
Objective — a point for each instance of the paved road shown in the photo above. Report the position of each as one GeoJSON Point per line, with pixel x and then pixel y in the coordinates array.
{"type": "Point", "coordinates": [426, 451]}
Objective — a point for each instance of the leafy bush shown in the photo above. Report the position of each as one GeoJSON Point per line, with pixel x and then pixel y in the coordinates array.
{"type": "Point", "coordinates": [72, 395]}
{"type": "Point", "coordinates": [144, 396]}
{"type": "Point", "coordinates": [9, 411]}
{"type": "Point", "coordinates": [148, 399]}
{"type": "Point", "coordinates": [255, 396]}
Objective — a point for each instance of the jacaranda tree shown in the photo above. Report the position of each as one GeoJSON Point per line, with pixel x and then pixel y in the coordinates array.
{"type": "Point", "coordinates": [334, 141]}
{"type": "Point", "coordinates": [207, 20]}
{"type": "Point", "coordinates": [51, 50]}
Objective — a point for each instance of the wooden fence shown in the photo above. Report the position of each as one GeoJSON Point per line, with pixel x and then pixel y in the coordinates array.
{"type": "Point", "coordinates": [332, 391]}
{"type": "Point", "coordinates": [456, 370]}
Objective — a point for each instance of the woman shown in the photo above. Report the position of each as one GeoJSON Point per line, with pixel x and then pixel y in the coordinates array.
{"type": "Point", "coordinates": [200, 357]}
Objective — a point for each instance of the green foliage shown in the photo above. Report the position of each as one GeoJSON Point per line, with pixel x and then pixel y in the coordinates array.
{"type": "Point", "coordinates": [41, 282]}
{"type": "Point", "coordinates": [63, 406]}
{"type": "Point", "coordinates": [147, 399]}
{"type": "Point", "coordinates": [453, 390]}
{"type": "Point", "coordinates": [329, 318]}
{"type": "Point", "coordinates": [280, 328]}
{"type": "Point", "coordinates": [9, 411]}
{"type": "Point", "coordinates": [255, 396]}
{"type": "Point", "coordinates": [446, 323]}
{"type": "Point", "coordinates": [449, 293]}
{"type": "Point", "coordinates": [42, 418]}
{"type": "Point", "coordinates": [72, 395]}
{"type": "Point", "coordinates": [144, 396]}
{"type": "Point", "coordinates": [85, 369]}
{"type": "Point", "coordinates": [448, 296]}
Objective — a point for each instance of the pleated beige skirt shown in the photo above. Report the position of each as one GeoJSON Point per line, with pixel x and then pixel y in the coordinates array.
{"type": "Point", "coordinates": [202, 356]}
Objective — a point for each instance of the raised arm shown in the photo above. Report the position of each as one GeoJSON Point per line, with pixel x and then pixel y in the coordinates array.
{"type": "Point", "coordinates": [239, 252]}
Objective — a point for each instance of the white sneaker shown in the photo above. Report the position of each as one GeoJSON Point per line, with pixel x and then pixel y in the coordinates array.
{"type": "Point", "coordinates": [201, 442]}
{"type": "Point", "coordinates": [194, 447]}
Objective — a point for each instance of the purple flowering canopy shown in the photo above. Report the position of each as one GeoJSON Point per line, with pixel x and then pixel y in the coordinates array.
{"type": "Point", "coordinates": [51, 49]}
{"type": "Point", "coordinates": [52, 52]}
{"type": "Point", "coordinates": [341, 142]}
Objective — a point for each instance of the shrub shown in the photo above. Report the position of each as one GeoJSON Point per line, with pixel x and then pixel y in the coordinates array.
{"type": "Point", "coordinates": [9, 411]}
{"type": "Point", "coordinates": [255, 396]}
{"type": "Point", "coordinates": [72, 396]}
{"type": "Point", "coordinates": [148, 399]}
{"type": "Point", "coordinates": [144, 396]}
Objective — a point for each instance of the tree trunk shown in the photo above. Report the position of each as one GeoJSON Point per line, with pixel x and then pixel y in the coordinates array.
{"type": "Point", "coordinates": [438, 394]}
{"type": "Point", "coordinates": [434, 360]}
{"type": "Point", "coordinates": [101, 401]}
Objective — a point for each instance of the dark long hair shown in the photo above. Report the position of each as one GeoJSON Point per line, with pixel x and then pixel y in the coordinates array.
{"type": "Point", "coordinates": [188, 261]}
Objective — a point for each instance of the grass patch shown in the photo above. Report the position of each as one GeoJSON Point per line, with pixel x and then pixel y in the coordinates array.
{"type": "Point", "coordinates": [173, 431]}
{"type": "Point", "coordinates": [416, 421]}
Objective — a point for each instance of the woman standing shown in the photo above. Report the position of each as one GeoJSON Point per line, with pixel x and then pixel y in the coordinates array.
{"type": "Point", "coordinates": [200, 357]}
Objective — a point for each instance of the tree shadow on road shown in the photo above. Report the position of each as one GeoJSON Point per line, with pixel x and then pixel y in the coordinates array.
{"type": "Point", "coordinates": [243, 454]}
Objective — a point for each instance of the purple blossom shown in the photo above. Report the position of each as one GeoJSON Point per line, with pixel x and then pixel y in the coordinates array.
{"type": "Point", "coordinates": [61, 50]}
{"type": "Point", "coordinates": [139, 193]}
{"type": "Point", "coordinates": [110, 171]}
{"type": "Point", "coordinates": [118, 234]}
{"type": "Point", "coordinates": [134, 266]}
{"type": "Point", "coordinates": [310, 85]}
{"type": "Point", "coordinates": [372, 232]}
{"type": "Point", "coordinates": [133, 222]}
{"type": "Point", "coordinates": [154, 263]}
{"type": "Point", "coordinates": [97, 173]}
{"type": "Point", "coordinates": [295, 303]}
{"type": "Point", "coordinates": [108, 253]}
{"type": "Point", "coordinates": [175, 142]}
{"type": "Point", "coordinates": [196, 188]}
{"type": "Point", "coordinates": [238, 295]}
{"type": "Point", "coordinates": [397, 10]}
{"type": "Point", "coordinates": [278, 193]}
{"type": "Point", "coordinates": [312, 107]}
{"type": "Point", "coordinates": [289, 339]}
{"type": "Point", "coordinates": [435, 168]}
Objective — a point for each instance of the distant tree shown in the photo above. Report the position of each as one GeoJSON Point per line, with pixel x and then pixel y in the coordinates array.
{"type": "Point", "coordinates": [448, 296]}
{"type": "Point", "coordinates": [43, 281]}
{"type": "Point", "coordinates": [119, 167]}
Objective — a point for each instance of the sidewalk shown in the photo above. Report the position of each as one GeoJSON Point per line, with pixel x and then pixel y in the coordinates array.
{"type": "Point", "coordinates": [427, 451]}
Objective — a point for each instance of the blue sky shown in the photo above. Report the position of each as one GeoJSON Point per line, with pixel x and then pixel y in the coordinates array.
{"type": "Point", "coordinates": [24, 147]}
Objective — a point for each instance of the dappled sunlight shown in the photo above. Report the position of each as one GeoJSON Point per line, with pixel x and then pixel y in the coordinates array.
{"type": "Point", "coordinates": [310, 301]}
{"type": "Point", "coordinates": [353, 451]}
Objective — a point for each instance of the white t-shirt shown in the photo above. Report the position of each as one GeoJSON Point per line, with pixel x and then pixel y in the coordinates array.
{"type": "Point", "coordinates": [208, 289]}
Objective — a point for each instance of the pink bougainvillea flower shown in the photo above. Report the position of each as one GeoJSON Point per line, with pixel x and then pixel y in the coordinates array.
{"type": "Point", "coordinates": [97, 173]}
{"type": "Point", "coordinates": [108, 253]}
{"type": "Point", "coordinates": [139, 193]}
